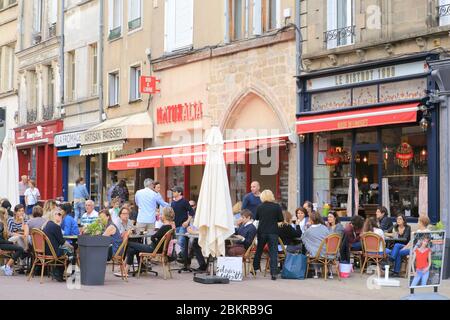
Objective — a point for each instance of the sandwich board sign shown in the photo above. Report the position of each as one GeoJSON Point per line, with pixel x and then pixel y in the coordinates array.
{"type": "Point", "coordinates": [230, 268]}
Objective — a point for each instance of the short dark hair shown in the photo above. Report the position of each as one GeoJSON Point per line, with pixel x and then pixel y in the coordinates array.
{"type": "Point", "coordinates": [124, 208]}
{"type": "Point", "coordinates": [305, 212]}
{"type": "Point", "coordinates": [156, 183]}
{"type": "Point", "coordinates": [246, 213]}
{"type": "Point", "coordinates": [37, 211]}
{"type": "Point", "coordinates": [383, 210]}
{"type": "Point", "coordinates": [79, 180]}
{"type": "Point", "coordinates": [18, 207]}
{"type": "Point", "coordinates": [334, 214]}
{"type": "Point", "coordinates": [66, 207]}
{"type": "Point", "coordinates": [357, 222]}
{"type": "Point", "coordinates": [401, 215]}
{"type": "Point", "coordinates": [177, 189]}
{"type": "Point", "coordinates": [309, 204]}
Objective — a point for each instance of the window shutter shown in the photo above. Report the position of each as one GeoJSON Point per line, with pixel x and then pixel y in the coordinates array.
{"type": "Point", "coordinates": [227, 22]}
{"type": "Point", "coordinates": [257, 17]}
{"type": "Point", "coordinates": [112, 87]}
{"type": "Point", "coordinates": [37, 11]}
{"type": "Point", "coordinates": [169, 22]}
{"type": "Point", "coordinates": [183, 20]}
{"type": "Point", "coordinates": [278, 13]}
{"type": "Point", "coordinates": [9, 55]}
{"type": "Point", "coordinates": [133, 84]}
{"type": "Point", "coordinates": [134, 9]}
{"type": "Point", "coordinates": [52, 12]}
{"type": "Point", "coordinates": [110, 14]}
{"type": "Point", "coordinates": [331, 21]}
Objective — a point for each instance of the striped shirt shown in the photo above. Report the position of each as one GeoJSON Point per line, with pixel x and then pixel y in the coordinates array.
{"type": "Point", "coordinates": [88, 219]}
{"type": "Point", "coordinates": [14, 226]}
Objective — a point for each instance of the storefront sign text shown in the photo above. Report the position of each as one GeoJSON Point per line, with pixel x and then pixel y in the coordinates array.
{"type": "Point", "coordinates": [180, 113]}
{"type": "Point", "coordinates": [38, 133]}
{"type": "Point", "coordinates": [110, 134]}
{"type": "Point", "coordinates": [68, 140]}
{"type": "Point", "coordinates": [353, 124]}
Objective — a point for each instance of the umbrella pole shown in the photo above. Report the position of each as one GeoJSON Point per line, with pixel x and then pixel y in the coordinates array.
{"type": "Point", "coordinates": [211, 265]}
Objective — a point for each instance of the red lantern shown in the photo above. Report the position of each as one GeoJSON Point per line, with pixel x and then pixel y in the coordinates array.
{"type": "Point", "coordinates": [332, 157]}
{"type": "Point", "coordinates": [404, 155]}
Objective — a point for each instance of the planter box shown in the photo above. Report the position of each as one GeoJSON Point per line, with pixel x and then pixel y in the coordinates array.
{"type": "Point", "coordinates": [93, 256]}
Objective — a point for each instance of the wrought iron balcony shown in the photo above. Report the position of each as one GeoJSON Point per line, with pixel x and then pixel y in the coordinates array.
{"type": "Point", "coordinates": [443, 10]}
{"type": "Point", "coordinates": [47, 113]}
{"type": "Point", "coordinates": [340, 35]}
{"type": "Point", "coordinates": [31, 116]}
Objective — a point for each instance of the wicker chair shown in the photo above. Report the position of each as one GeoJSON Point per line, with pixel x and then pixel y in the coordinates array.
{"type": "Point", "coordinates": [119, 257]}
{"type": "Point", "coordinates": [332, 245]}
{"type": "Point", "coordinates": [371, 243]}
{"type": "Point", "coordinates": [162, 257]}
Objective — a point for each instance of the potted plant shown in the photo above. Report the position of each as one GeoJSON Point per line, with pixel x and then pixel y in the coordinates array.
{"type": "Point", "coordinates": [93, 254]}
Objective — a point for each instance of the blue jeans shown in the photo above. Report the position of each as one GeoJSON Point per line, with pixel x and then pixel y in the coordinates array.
{"type": "Point", "coordinates": [79, 209]}
{"type": "Point", "coordinates": [272, 240]}
{"type": "Point", "coordinates": [356, 246]}
{"type": "Point", "coordinates": [396, 254]}
{"type": "Point", "coordinates": [421, 276]}
{"type": "Point", "coordinates": [181, 240]}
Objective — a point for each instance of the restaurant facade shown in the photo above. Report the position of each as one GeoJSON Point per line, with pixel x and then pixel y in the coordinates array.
{"type": "Point", "coordinates": [369, 138]}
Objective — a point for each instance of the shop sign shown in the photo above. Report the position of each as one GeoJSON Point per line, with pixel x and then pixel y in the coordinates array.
{"type": "Point", "coordinates": [189, 111]}
{"type": "Point", "coordinates": [404, 155]}
{"type": "Point", "coordinates": [38, 133]}
{"type": "Point", "coordinates": [105, 135]}
{"type": "Point", "coordinates": [363, 76]}
{"type": "Point", "coordinates": [68, 140]}
{"type": "Point", "coordinates": [148, 85]}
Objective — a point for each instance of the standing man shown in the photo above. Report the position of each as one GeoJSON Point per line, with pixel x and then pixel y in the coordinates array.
{"type": "Point", "coordinates": [252, 200]}
{"type": "Point", "coordinates": [147, 200]}
{"type": "Point", "coordinates": [32, 196]}
{"type": "Point", "coordinates": [23, 186]}
{"type": "Point", "coordinates": [80, 195]}
{"type": "Point", "coordinates": [183, 214]}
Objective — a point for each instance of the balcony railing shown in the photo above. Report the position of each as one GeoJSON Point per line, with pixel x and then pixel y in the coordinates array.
{"type": "Point", "coordinates": [443, 11]}
{"type": "Point", "coordinates": [343, 36]}
{"type": "Point", "coordinates": [31, 116]}
{"type": "Point", "coordinates": [47, 113]}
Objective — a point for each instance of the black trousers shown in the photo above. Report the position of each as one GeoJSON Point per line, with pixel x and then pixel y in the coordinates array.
{"type": "Point", "coordinates": [18, 251]}
{"type": "Point", "coordinates": [272, 240]}
{"type": "Point", "coordinates": [197, 250]}
{"type": "Point", "coordinates": [134, 248]}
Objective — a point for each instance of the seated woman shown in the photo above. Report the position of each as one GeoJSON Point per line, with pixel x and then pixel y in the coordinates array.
{"type": "Point", "coordinates": [124, 223]}
{"type": "Point", "coordinates": [333, 224]}
{"type": "Point", "coordinates": [111, 231]}
{"type": "Point", "coordinates": [5, 245]}
{"type": "Point", "coordinates": [290, 235]}
{"type": "Point", "coordinates": [400, 230]}
{"type": "Point", "coordinates": [134, 248]}
{"type": "Point", "coordinates": [16, 228]}
{"type": "Point", "coordinates": [314, 235]}
{"type": "Point", "coordinates": [68, 225]}
{"type": "Point", "coordinates": [302, 219]}
{"type": "Point", "coordinates": [246, 232]}
{"type": "Point", "coordinates": [371, 225]}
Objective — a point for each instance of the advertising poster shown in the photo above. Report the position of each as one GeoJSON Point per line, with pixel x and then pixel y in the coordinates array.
{"type": "Point", "coordinates": [426, 259]}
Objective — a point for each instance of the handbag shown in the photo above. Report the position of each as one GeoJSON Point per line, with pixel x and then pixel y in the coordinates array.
{"type": "Point", "coordinates": [294, 266]}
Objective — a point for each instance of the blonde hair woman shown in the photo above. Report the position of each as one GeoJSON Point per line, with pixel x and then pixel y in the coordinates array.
{"type": "Point", "coordinates": [269, 215]}
{"type": "Point", "coordinates": [49, 207]}
{"type": "Point", "coordinates": [8, 246]}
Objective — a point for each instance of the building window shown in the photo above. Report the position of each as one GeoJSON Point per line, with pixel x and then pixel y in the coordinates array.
{"type": "Point", "coordinates": [134, 14]}
{"type": "Point", "coordinates": [51, 87]}
{"type": "Point", "coordinates": [37, 16]}
{"type": "Point", "coordinates": [6, 69]}
{"type": "Point", "coordinates": [115, 19]}
{"type": "Point", "coordinates": [340, 24]}
{"type": "Point", "coordinates": [71, 75]}
{"type": "Point", "coordinates": [94, 69]}
{"type": "Point", "coordinates": [443, 12]}
{"type": "Point", "coordinates": [179, 24]}
{"type": "Point", "coordinates": [114, 88]}
{"type": "Point", "coordinates": [52, 17]}
{"type": "Point", "coordinates": [135, 74]}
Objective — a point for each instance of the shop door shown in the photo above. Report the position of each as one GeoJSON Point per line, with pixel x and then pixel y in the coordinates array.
{"type": "Point", "coordinates": [367, 173]}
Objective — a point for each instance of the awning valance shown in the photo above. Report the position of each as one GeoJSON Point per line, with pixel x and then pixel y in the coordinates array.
{"type": "Point", "coordinates": [192, 154]}
{"type": "Point", "coordinates": [368, 117]}
{"type": "Point", "coordinates": [106, 147]}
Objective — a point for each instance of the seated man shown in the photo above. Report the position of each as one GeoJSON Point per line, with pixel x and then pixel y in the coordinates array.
{"type": "Point", "coordinates": [91, 214]}
{"type": "Point", "coordinates": [197, 250]}
{"type": "Point", "coordinates": [246, 232]}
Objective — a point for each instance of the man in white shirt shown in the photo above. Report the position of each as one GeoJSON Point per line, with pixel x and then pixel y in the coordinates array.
{"type": "Point", "coordinates": [32, 196]}
{"type": "Point", "coordinates": [91, 214]}
{"type": "Point", "coordinates": [147, 199]}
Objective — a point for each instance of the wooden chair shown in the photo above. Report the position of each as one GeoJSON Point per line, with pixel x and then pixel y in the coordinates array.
{"type": "Point", "coordinates": [371, 243]}
{"type": "Point", "coordinates": [332, 245]}
{"type": "Point", "coordinates": [119, 257]}
{"type": "Point", "coordinates": [162, 257]}
{"type": "Point", "coordinates": [5, 255]}
{"type": "Point", "coordinates": [281, 256]}
{"type": "Point", "coordinates": [247, 259]}
{"type": "Point", "coordinates": [39, 240]}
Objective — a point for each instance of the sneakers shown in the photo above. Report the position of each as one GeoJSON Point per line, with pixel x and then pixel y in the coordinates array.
{"type": "Point", "coordinates": [7, 270]}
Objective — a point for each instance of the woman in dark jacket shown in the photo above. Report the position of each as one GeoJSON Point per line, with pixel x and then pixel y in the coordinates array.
{"type": "Point", "coordinates": [290, 235]}
{"type": "Point", "coordinates": [400, 230]}
{"type": "Point", "coordinates": [269, 216]}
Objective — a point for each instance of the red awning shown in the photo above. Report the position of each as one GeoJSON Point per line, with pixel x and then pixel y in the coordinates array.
{"type": "Point", "coordinates": [189, 155]}
{"type": "Point", "coordinates": [368, 117]}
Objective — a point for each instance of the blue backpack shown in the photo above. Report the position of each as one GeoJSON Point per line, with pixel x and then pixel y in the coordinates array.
{"type": "Point", "coordinates": [294, 266]}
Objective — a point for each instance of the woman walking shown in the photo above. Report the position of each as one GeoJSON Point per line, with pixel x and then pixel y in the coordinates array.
{"type": "Point", "coordinates": [270, 216]}
{"type": "Point", "coordinates": [32, 196]}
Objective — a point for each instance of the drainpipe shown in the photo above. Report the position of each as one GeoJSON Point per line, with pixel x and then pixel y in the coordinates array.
{"type": "Point", "coordinates": [100, 88]}
{"type": "Point", "coordinates": [61, 58]}
{"type": "Point", "coordinates": [298, 71]}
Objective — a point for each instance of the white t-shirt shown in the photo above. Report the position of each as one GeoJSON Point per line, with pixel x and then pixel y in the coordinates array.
{"type": "Point", "coordinates": [32, 196]}
{"type": "Point", "coordinates": [381, 234]}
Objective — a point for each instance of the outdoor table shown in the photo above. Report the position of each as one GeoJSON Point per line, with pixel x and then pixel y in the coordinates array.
{"type": "Point", "coordinates": [186, 267]}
